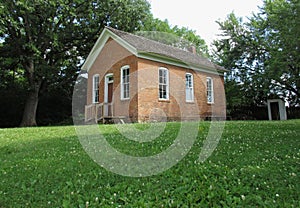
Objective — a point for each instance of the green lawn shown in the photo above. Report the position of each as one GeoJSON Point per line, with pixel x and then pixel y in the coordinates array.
{"type": "Point", "coordinates": [256, 164]}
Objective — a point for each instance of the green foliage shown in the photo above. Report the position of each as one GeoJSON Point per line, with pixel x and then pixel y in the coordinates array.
{"type": "Point", "coordinates": [47, 41]}
{"type": "Point", "coordinates": [283, 37]}
{"type": "Point", "coordinates": [181, 37]}
{"type": "Point", "coordinates": [256, 164]}
{"type": "Point", "coordinates": [57, 32]}
{"type": "Point", "coordinates": [262, 53]}
{"type": "Point", "coordinates": [241, 52]}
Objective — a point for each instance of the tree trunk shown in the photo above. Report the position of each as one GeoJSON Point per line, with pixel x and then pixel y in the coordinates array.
{"type": "Point", "coordinates": [29, 114]}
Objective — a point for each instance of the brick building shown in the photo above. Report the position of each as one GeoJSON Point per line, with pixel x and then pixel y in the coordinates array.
{"type": "Point", "coordinates": [138, 79]}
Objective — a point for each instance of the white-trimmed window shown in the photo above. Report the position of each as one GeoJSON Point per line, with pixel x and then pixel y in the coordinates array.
{"type": "Point", "coordinates": [210, 90]}
{"type": "Point", "coordinates": [125, 82]}
{"type": "Point", "coordinates": [189, 87]}
{"type": "Point", "coordinates": [96, 88]}
{"type": "Point", "coordinates": [163, 82]}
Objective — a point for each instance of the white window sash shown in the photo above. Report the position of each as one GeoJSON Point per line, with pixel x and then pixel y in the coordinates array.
{"type": "Point", "coordinates": [189, 87]}
{"type": "Point", "coordinates": [125, 82]}
{"type": "Point", "coordinates": [96, 88]}
{"type": "Point", "coordinates": [210, 90]}
{"type": "Point", "coordinates": [163, 80]}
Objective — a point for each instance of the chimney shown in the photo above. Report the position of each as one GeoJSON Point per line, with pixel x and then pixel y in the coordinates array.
{"type": "Point", "coordinates": [192, 49]}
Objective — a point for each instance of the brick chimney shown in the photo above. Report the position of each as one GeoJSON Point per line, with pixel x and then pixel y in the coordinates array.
{"type": "Point", "coordinates": [192, 49]}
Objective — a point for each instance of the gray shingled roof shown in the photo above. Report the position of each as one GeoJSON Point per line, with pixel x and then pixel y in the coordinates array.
{"type": "Point", "coordinates": [142, 44]}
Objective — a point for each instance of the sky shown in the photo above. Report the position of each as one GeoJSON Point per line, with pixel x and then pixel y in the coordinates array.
{"type": "Point", "coordinates": [201, 16]}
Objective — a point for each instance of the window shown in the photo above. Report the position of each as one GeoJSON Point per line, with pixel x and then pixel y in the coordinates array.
{"type": "Point", "coordinates": [96, 88]}
{"type": "Point", "coordinates": [189, 87]}
{"type": "Point", "coordinates": [210, 90]}
{"type": "Point", "coordinates": [163, 83]}
{"type": "Point", "coordinates": [125, 82]}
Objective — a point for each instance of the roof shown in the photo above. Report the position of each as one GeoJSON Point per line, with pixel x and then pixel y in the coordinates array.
{"type": "Point", "coordinates": [149, 49]}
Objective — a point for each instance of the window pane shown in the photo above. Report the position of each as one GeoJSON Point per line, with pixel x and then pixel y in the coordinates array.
{"type": "Point", "coordinates": [163, 83]}
{"type": "Point", "coordinates": [160, 91]}
{"type": "Point", "coordinates": [189, 92]}
{"type": "Point", "coordinates": [125, 83]}
{"type": "Point", "coordinates": [209, 98]}
{"type": "Point", "coordinates": [127, 90]}
{"type": "Point", "coordinates": [165, 79]}
{"type": "Point", "coordinates": [210, 95]}
{"type": "Point", "coordinates": [209, 83]}
{"type": "Point", "coordinates": [96, 89]}
{"type": "Point", "coordinates": [96, 81]}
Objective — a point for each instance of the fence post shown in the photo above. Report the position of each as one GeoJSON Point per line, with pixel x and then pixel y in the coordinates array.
{"type": "Point", "coordinates": [96, 113]}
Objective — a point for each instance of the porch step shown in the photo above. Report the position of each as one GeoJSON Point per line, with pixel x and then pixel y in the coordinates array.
{"type": "Point", "coordinates": [113, 119]}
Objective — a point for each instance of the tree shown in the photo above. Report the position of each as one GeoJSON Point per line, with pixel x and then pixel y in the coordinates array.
{"type": "Point", "coordinates": [181, 37]}
{"type": "Point", "coordinates": [239, 51]}
{"type": "Point", "coordinates": [46, 41]}
{"type": "Point", "coordinates": [262, 53]}
{"type": "Point", "coordinates": [281, 29]}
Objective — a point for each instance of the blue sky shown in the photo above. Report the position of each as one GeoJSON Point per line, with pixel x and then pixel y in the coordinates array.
{"type": "Point", "coordinates": [201, 15]}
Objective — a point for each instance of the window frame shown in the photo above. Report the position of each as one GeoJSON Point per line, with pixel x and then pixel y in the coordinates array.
{"type": "Point", "coordinates": [96, 90]}
{"type": "Point", "coordinates": [166, 84]}
{"type": "Point", "coordinates": [210, 90]}
{"type": "Point", "coordinates": [190, 87]}
{"type": "Point", "coordinates": [124, 84]}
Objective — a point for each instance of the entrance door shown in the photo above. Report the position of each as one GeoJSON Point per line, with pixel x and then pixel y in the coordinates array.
{"type": "Point", "coordinates": [108, 95]}
{"type": "Point", "coordinates": [109, 98]}
{"type": "Point", "coordinates": [275, 110]}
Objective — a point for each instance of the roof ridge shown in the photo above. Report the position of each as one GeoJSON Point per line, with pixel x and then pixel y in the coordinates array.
{"type": "Point", "coordinates": [145, 44]}
{"type": "Point", "coordinates": [132, 34]}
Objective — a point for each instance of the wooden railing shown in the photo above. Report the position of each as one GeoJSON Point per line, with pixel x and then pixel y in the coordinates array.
{"type": "Point", "coordinates": [98, 111]}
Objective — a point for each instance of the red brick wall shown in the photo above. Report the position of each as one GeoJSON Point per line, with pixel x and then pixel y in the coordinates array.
{"type": "Point", "coordinates": [177, 108]}
{"type": "Point", "coordinates": [110, 60]}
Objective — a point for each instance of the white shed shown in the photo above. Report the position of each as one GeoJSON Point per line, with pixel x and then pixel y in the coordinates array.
{"type": "Point", "coordinates": [276, 109]}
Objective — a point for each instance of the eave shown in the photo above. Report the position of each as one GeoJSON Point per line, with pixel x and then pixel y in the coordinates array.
{"type": "Point", "coordinates": [176, 62]}
{"type": "Point", "coordinates": [97, 48]}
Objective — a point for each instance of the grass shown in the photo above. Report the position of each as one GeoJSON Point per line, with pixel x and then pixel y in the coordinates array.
{"type": "Point", "coordinates": [256, 164]}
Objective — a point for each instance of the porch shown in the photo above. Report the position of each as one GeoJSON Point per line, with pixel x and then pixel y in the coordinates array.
{"type": "Point", "coordinates": [103, 113]}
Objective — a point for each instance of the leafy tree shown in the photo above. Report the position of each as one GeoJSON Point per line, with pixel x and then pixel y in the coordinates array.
{"type": "Point", "coordinates": [192, 39]}
{"type": "Point", "coordinates": [45, 41]}
{"type": "Point", "coordinates": [239, 51]}
{"type": "Point", "coordinates": [181, 37]}
{"type": "Point", "coordinates": [263, 53]}
{"type": "Point", "coordinates": [281, 29]}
